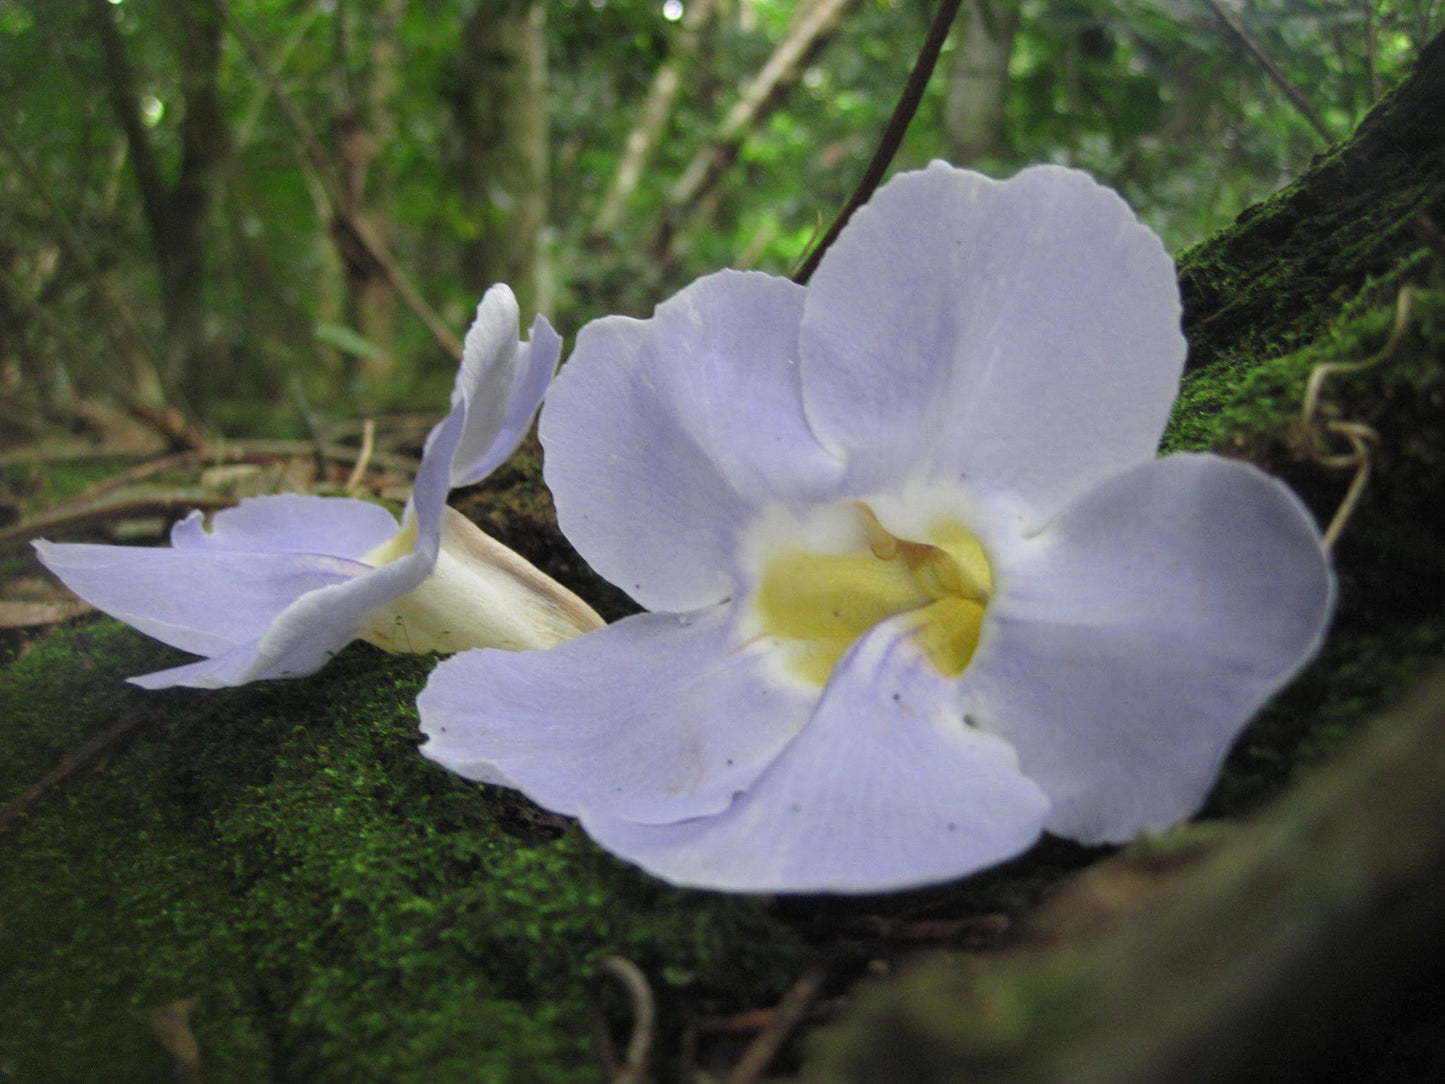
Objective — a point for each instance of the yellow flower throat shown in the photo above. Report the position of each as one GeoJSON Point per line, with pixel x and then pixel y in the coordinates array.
{"type": "Point", "coordinates": [822, 603]}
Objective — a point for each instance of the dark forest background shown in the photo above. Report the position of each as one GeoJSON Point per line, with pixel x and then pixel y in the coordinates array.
{"type": "Point", "coordinates": [248, 210]}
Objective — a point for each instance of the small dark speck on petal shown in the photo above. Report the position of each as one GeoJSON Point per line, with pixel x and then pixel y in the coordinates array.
{"type": "Point", "coordinates": [952, 827]}
{"type": "Point", "coordinates": [796, 808]}
{"type": "Point", "coordinates": [969, 720]}
{"type": "Point", "coordinates": [730, 762]}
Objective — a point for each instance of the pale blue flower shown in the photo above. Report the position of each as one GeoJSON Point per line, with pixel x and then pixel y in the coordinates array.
{"type": "Point", "coordinates": [922, 589]}
{"type": "Point", "coordinates": [279, 584]}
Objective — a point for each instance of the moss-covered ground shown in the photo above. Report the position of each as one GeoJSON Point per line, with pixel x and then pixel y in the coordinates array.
{"type": "Point", "coordinates": [342, 909]}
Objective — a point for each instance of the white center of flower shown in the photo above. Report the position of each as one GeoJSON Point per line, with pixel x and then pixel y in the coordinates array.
{"type": "Point", "coordinates": [818, 604]}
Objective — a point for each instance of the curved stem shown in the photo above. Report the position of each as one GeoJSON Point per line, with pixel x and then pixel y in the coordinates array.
{"type": "Point", "coordinates": [892, 134]}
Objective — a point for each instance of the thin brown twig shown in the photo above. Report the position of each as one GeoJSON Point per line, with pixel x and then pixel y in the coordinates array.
{"type": "Point", "coordinates": [122, 507]}
{"type": "Point", "coordinates": [345, 214]}
{"type": "Point", "coordinates": [633, 1069]}
{"type": "Point", "coordinates": [363, 457]}
{"type": "Point", "coordinates": [892, 134]}
{"type": "Point", "coordinates": [752, 1021]}
{"type": "Point", "coordinates": [789, 1013]}
{"type": "Point", "coordinates": [118, 325]}
{"type": "Point", "coordinates": [1296, 97]}
{"type": "Point", "coordinates": [17, 807]}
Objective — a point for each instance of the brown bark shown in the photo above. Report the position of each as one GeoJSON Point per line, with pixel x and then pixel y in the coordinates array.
{"type": "Point", "coordinates": [502, 169]}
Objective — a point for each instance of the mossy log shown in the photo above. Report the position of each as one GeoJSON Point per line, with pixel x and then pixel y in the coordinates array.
{"type": "Point", "coordinates": [1308, 947]}
{"type": "Point", "coordinates": [340, 909]}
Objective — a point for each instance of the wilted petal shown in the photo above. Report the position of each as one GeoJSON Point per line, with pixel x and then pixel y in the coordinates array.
{"type": "Point", "coordinates": [664, 436]}
{"type": "Point", "coordinates": [1021, 334]}
{"type": "Point", "coordinates": [885, 788]}
{"type": "Point", "coordinates": [655, 718]}
{"type": "Point", "coordinates": [206, 601]}
{"type": "Point", "coordinates": [1133, 638]}
{"type": "Point", "coordinates": [290, 523]}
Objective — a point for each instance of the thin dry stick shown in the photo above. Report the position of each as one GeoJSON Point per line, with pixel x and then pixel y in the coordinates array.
{"type": "Point", "coordinates": [352, 222]}
{"type": "Point", "coordinates": [1296, 96]}
{"type": "Point", "coordinates": [17, 807]}
{"type": "Point", "coordinates": [1360, 436]}
{"type": "Point", "coordinates": [644, 1019]}
{"type": "Point", "coordinates": [758, 98]}
{"type": "Point", "coordinates": [892, 134]}
{"type": "Point", "coordinates": [119, 327]}
{"type": "Point", "coordinates": [123, 507]}
{"type": "Point", "coordinates": [790, 1011]}
{"type": "Point", "coordinates": [363, 458]}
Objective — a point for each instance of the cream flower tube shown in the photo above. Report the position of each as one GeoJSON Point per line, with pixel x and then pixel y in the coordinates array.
{"type": "Point", "coordinates": [279, 584]}
{"type": "Point", "coordinates": [921, 589]}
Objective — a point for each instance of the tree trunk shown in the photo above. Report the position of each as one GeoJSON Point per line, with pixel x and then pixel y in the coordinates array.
{"type": "Point", "coordinates": [974, 118]}
{"type": "Point", "coordinates": [502, 167]}
{"type": "Point", "coordinates": [656, 110]}
{"type": "Point", "coordinates": [364, 125]}
{"type": "Point", "coordinates": [177, 213]}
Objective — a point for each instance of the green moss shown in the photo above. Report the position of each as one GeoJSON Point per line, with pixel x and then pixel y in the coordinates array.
{"type": "Point", "coordinates": [343, 909]}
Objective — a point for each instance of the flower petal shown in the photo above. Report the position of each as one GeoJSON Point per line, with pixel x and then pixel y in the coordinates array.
{"type": "Point", "coordinates": [290, 523]}
{"type": "Point", "coordinates": [884, 789]}
{"type": "Point", "coordinates": [206, 601]}
{"type": "Point", "coordinates": [664, 436]}
{"type": "Point", "coordinates": [501, 382]}
{"type": "Point", "coordinates": [1133, 638]}
{"type": "Point", "coordinates": [655, 718]}
{"type": "Point", "coordinates": [1023, 334]}
{"type": "Point", "coordinates": [304, 635]}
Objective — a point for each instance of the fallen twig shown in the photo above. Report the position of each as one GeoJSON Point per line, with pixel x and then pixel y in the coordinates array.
{"type": "Point", "coordinates": [17, 807]}
{"type": "Point", "coordinates": [123, 507]}
{"type": "Point", "coordinates": [363, 458]}
{"type": "Point", "coordinates": [789, 1013]}
{"type": "Point", "coordinates": [633, 1069]}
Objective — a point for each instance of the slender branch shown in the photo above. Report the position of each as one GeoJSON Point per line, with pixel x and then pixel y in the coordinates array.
{"type": "Point", "coordinates": [19, 806]}
{"type": "Point", "coordinates": [633, 1069]}
{"type": "Point", "coordinates": [119, 328]}
{"type": "Point", "coordinates": [155, 197]}
{"type": "Point", "coordinates": [1296, 97]}
{"type": "Point", "coordinates": [892, 134]}
{"type": "Point", "coordinates": [123, 506]}
{"type": "Point", "coordinates": [656, 108]}
{"type": "Point", "coordinates": [789, 1013]}
{"type": "Point", "coordinates": [782, 67]}
{"type": "Point", "coordinates": [347, 218]}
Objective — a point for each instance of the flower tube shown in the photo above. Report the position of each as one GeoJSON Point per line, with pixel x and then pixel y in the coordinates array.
{"type": "Point", "coordinates": [921, 589]}
{"type": "Point", "coordinates": [278, 584]}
